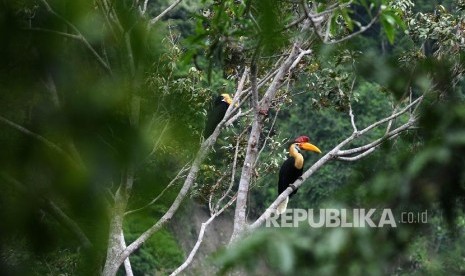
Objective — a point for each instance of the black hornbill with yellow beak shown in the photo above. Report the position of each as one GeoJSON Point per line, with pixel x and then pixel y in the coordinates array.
{"type": "Point", "coordinates": [292, 168]}
{"type": "Point", "coordinates": [216, 113]}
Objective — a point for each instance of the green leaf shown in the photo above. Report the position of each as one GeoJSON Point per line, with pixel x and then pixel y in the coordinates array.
{"type": "Point", "coordinates": [388, 27]}
{"type": "Point", "coordinates": [333, 24]}
{"type": "Point", "coordinates": [395, 18]}
{"type": "Point", "coordinates": [347, 19]}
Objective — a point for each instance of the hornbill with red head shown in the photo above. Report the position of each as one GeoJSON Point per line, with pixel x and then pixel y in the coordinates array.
{"type": "Point", "coordinates": [216, 113]}
{"type": "Point", "coordinates": [292, 168]}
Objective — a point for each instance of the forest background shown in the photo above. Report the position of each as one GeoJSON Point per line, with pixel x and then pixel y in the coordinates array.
{"type": "Point", "coordinates": [103, 104]}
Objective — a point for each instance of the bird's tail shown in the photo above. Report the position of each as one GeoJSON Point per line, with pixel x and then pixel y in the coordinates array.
{"type": "Point", "coordinates": [282, 206]}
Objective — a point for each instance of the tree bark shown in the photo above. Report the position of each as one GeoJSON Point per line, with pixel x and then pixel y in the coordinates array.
{"type": "Point", "coordinates": [252, 150]}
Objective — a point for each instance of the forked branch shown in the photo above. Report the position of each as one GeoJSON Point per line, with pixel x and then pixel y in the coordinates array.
{"type": "Point", "coordinates": [335, 153]}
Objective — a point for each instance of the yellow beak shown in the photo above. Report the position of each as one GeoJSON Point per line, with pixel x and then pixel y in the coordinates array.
{"type": "Point", "coordinates": [310, 147]}
{"type": "Point", "coordinates": [227, 98]}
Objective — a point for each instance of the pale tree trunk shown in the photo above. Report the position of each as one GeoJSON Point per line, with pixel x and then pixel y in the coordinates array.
{"type": "Point", "coordinates": [261, 110]}
{"type": "Point", "coordinates": [116, 255]}
{"type": "Point", "coordinates": [115, 245]}
{"type": "Point", "coordinates": [300, 48]}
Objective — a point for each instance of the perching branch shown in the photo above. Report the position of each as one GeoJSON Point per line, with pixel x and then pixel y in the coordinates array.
{"type": "Point", "coordinates": [236, 104]}
{"type": "Point", "coordinates": [335, 153]}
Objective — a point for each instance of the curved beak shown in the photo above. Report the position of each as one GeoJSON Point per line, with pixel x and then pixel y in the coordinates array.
{"type": "Point", "coordinates": [309, 147]}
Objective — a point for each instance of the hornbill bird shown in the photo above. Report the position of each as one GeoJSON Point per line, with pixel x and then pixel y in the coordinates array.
{"type": "Point", "coordinates": [292, 168]}
{"type": "Point", "coordinates": [216, 113]}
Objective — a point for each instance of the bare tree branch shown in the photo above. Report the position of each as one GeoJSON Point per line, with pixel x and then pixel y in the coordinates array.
{"type": "Point", "coordinates": [121, 255]}
{"type": "Point", "coordinates": [219, 181]}
{"type": "Point", "coordinates": [73, 36]}
{"type": "Point", "coordinates": [351, 112]}
{"type": "Point", "coordinates": [362, 30]}
{"type": "Point", "coordinates": [393, 116]}
{"type": "Point", "coordinates": [233, 171]}
{"type": "Point", "coordinates": [334, 153]}
{"type": "Point", "coordinates": [332, 8]}
{"type": "Point", "coordinates": [203, 228]}
{"type": "Point", "coordinates": [144, 7]}
{"type": "Point", "coordinates": [267, 136]}
{"type": "Point", "coordinates": [78, 35]}
{"type": "Point", "coordinates": [389, 125]}
{"type": "Point", "coordinates": [254, 136]}
{"type": "Point", "coordinates": [163, 13]}
{"type": "Point", "coordinates": [160, 137]}
{"type": "Point", "coordinates": [357, 157]}
{"type": "Point", "coordinates": [312, 20]}
{"type": "Point", "coordinates": [127, 262]}
{"type": "Point", "coordinates": [257, 124]}
{"type": "Point", "coordinates": [42, 139]}
{"type": "Point", "coordinates": [352, 118]}
{"type": "Point", "coordinates": [171, 184]}
{"type": "Point", "coordinates": [52, 209]}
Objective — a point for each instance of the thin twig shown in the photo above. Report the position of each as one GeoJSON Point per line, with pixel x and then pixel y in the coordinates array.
{"type": "Point", "coordinates": [352, 118]}
{"type": "Point", "coordinates": [144, 8]}
{"type": "Point", "coordinates": [312, 21]}
{"type": "Point", "coordinates": [73, 36]}
{"type": "Point", "coordinates": [127, 262]}
{"type": "Point", "coordinates": [203, 228]}
{"type": "Point", "coordinates": [163, 13]}
{"type": "Point", "coordinates": [362, 30]}
{"type": "Point", "coordinates": [268, 135]}
{"type": "Point", "coordinates": [53, 209]}
{"type": "Point", "coordinates": [212, 191]}
{"type": "Point", "coordinates": [377, 141]}
{"type": "Point", "coordinates": [78, 34]}
{"type": "Point", "coordinates": [367, 149]}
{"type": "Point", "coordinates": [233, 170]}
{"type": "Point", "coordinates": [334, 153]}
{"type": "Point", "coordinates": [393, 116]}
{"type": "Point", "coordinates": [171, 184]}
{"type": "Point", "coordinates": [357, 157]}
{"type": "Point", "coordinates": [40, 138]}
{"type": "Point", "coordinates": [157, 143]}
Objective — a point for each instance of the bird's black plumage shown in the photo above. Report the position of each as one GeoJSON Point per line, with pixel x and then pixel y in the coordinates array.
{"type": "Point", "coordinates": [288, 174]}
{"type": "Point", "coordinates": [215, 115]}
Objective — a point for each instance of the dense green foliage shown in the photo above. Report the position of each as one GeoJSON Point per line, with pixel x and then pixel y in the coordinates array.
{"type": "Point", "coordinates": [84, 100]}
{"type": "Point", "coordinates": [69, 129]}
{"type": "Point", "coordinates": [421, 172]}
